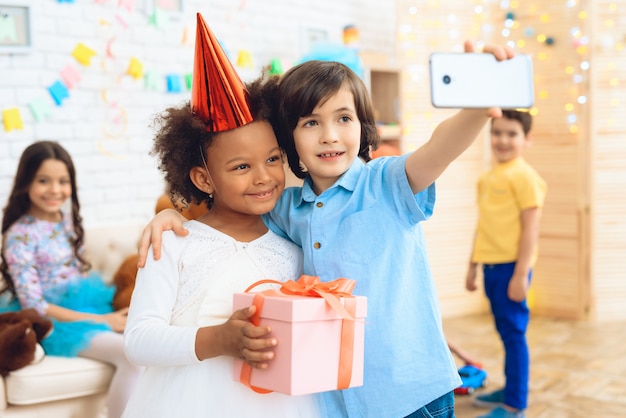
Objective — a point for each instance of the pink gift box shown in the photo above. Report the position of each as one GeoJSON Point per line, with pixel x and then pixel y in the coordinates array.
{"type": "Point", "coordinates": [308, 331]}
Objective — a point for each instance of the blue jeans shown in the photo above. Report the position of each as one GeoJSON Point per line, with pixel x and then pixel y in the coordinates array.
{"type": "Point", "coordinates": [511, 319]}
{"type": "Point", "coordinates": [439, 408]}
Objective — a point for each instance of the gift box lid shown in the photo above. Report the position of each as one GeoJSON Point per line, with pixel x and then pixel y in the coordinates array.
{"type": "Point", "coordinates": [297, 308]}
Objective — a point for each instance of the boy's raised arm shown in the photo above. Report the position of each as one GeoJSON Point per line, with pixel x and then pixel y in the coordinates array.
{"type": "Point", "coordinates": [452, 136]}
{"type": "Point", "coordinates": [167, 219]}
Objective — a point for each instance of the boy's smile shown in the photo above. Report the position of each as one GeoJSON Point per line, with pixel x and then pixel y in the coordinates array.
{"type": "Point", "coordinates": [331, 155]}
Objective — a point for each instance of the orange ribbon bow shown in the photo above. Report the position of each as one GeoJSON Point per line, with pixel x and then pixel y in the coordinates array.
{"type": "Point", "coordinates": [312, 286]}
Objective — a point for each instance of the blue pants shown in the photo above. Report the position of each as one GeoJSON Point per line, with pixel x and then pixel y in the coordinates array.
{"type": "Point", "coordinates": [511, 319]}
{"type": "Point", "coordinates": [442, 407]}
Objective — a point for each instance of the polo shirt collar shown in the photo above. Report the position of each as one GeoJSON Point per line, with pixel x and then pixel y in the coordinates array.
{"type": "Point", "coordinates": [348, 181]}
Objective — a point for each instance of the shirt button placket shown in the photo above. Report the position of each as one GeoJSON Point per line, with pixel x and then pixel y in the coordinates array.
{"type": "Point", "coordinates": [317, 245]}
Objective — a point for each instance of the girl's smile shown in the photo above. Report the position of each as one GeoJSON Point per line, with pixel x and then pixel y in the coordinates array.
{"type": "Point", "coordinates": [264, 195]}
{"type": "Point", "coordinates": [49, 190]}
{"type": "Point", "coordinates": [245, 175]}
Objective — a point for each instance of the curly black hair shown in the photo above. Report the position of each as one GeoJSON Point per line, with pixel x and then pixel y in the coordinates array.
{"type": "Point", "coordinates": [181, 137]}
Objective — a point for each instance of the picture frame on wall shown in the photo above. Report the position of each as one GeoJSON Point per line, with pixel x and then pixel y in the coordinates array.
{"type": "Point", "coordinates": [311, 36]}
{"type": "Point", "coordinates": [16, 35]}
{"type": "Point", "coordinates": [173, 8]}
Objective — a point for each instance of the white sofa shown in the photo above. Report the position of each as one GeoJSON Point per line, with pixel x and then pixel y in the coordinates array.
{"type": "Point", "coordinates": [59, 387]}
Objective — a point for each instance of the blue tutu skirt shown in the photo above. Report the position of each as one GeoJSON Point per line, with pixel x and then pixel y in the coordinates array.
{"type": "Point", "coordinates": [89, 295]}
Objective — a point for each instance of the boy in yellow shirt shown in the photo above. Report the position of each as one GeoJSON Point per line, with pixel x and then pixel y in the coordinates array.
{"type": "Point", "coordinates": [510, 198]}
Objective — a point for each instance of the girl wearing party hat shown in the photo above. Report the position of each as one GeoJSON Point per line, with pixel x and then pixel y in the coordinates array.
{"type": "Point", "coordinates": [219, 149]}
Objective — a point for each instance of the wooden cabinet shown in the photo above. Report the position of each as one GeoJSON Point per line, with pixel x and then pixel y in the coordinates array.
{"type": "Point", "coordinates": [384, 87]}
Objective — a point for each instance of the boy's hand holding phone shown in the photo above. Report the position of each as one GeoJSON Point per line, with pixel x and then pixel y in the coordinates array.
{"type": "Point", "coordinates": [494, 78]}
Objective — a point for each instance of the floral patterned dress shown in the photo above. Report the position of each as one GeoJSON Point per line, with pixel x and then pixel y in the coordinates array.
{"type": "Point", "coordinates": [45, 271]}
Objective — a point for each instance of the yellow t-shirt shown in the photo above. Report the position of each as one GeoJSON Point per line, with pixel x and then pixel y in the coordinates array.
{"type": "Point", "coordinates": [503, 192]}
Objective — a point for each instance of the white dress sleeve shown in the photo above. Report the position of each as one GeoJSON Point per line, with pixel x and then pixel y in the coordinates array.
{"type": "Point", "coordinates": [149, 338]}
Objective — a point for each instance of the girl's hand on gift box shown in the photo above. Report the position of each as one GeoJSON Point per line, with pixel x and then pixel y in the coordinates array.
{"type": "Point", "coordinates": [239, 338]}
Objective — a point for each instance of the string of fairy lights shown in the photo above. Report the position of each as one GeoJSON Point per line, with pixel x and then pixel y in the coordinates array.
{"type": "Point", "coordinates": [554, 32]}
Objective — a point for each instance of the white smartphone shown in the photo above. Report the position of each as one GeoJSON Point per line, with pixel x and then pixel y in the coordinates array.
{"type": "Point", "coordinates": [478, 80]}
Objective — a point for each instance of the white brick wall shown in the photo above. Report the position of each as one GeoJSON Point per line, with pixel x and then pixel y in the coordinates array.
{"type": "Point", "coordinates": [118, 181]}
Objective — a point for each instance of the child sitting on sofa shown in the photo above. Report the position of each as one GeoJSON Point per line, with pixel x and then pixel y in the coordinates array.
{"type": "Point", "coordinates": [43, 268]}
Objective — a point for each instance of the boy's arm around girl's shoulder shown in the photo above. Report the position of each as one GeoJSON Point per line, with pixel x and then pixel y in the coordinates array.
{"type": "Point", "coordinates": [167, 219]}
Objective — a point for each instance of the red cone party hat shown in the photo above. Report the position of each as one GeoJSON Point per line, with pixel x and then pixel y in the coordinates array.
{"type": "Point", "coordinates": [217, 95]}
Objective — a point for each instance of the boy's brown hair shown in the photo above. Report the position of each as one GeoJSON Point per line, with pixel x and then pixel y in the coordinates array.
{"type": "Point", "coordinates": [305, 86]}
{"type": "Point", "coordinates": [524, 118]}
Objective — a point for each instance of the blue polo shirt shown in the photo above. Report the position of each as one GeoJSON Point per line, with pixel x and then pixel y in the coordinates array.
{"type": "Point", "coordinates": [366, 227]}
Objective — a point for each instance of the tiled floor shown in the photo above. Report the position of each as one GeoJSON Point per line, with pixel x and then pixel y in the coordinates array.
{"type": "Point", "coordinates": [578, 369]}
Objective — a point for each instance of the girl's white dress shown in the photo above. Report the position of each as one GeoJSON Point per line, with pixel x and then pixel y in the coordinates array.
{"type": "Point", "coordinates": [192, 286]}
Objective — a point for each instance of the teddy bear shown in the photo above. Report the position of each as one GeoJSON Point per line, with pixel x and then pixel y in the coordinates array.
{"type": "Point", "coordinates": [20, 334]}
{"type": "Point", "coordinates": [124, 281]}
